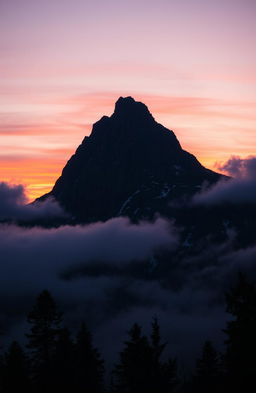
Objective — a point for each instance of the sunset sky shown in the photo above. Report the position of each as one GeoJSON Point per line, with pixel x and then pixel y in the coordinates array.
{"type": "Point", "coordinates": [64, 63]}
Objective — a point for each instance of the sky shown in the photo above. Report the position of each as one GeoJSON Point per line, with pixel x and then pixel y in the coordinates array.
{"type": "Point", "coordinates": [64, 63]}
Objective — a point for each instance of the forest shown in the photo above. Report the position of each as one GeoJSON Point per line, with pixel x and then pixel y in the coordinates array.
{"type": "Point", "coordinates": [56, 359]}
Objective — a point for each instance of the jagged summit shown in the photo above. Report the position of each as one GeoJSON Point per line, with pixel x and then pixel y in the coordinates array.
{"type": "Point", "coordinates": [127, 106]}
{"type": "Point", "coordinates": [132, 122]}
{"type": "Point", "coordinates": [129, 165]}
{"type": "Point", "coordinates": [129, 117]}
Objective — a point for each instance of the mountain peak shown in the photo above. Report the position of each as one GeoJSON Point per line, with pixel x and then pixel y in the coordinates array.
{"type": "Point", "coordinates": [129, 165]}
{"type": "Point", "coordinates": [127, 106]}
{"type": "Point", "coordinates": [125, 100]}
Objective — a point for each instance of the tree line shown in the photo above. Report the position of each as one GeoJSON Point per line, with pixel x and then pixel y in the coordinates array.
{"type": "Point", "coordinates": [56, 360]}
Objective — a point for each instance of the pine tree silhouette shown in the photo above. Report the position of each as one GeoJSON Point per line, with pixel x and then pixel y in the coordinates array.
{"type": "Point", "coordinates": [140, 368]}
{"type": "Point", "coordinates": [45, 323]}
{"type": "Point", "coordinates": [63, 362]}
{"type": "Point", "coordinates": [208, 375]}
{"type": "Point", "coordinates": [132, 373]}
{"type": "Point", "coordinates": [89, 366]}
{"type": "Point", "coordinates": [164, 374]}
{"type": "Point", "coordinates": [241, 338]}
{"type": "Point", "coordinates": [15, 370]}
{"type": "Point", "coordinates": [1, 372]}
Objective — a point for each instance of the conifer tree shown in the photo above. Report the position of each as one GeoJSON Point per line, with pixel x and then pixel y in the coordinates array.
{"type": "Point", "coordinates": [241, 338]}
{"type": "Point", "coordinates": [208, 371]}
{"type": "Point", "coordinates": [132, 373]}
{"type": "Point", "coordinates": [45, 323]}
{"type": "Point", "coordinates": [63, 362]}
{"type": "Point", "coordinates": [164, 374]}
{"type": "Point", "coordinates": [88, 364]}
{"type": "Point", "coordinates": [140, 368]}
{"type": "Point", "coordinates": [1, 371]}
{"type": "Point", "coordinates": [15, 370]}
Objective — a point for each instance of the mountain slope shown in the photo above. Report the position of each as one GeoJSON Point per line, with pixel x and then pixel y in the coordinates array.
{"type": "Point", "coordinates": [129, 165]}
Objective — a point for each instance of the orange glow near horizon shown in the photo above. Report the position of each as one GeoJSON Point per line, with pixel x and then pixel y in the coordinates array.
{"type": "Point", "coordinates": [64, 64]}
{"type": "Point", "coordinates": [38, 177]}
{"type": "Point", "coordinates": [40, 153]}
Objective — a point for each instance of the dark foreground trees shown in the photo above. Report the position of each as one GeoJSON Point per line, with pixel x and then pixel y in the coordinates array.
{"type": "Point", "coordinates": [57, 361]}
{"type": "Point", "coordinates": [14, 370]}
{"type": "Point", "coordinates": [209, 371]}
{"type": "Point", "coordinates": [63, 362]}
{"type": "Point", "coordinates": [45, 321]}
{"type": "Point", "coordinates": [54, 362]}
{"type": "Point", "coordinates": [140, 368]}
{"type": "Point", "coordinates": [240, 355]}
{"type": "Point", "coordinates": [88, 364]}
{"type": "Point", "coordinates": [235, 370]}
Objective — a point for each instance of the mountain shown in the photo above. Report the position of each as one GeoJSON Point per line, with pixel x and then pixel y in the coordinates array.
{"type": "Point", "coordinates": [130, 165]}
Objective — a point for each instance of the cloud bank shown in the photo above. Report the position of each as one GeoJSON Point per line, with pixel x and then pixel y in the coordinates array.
{"type": "Point", "coordinates": [13, 205]}
{"type": "Point", "coordinates": [102, 274]}
{"type": "Point", "coordinates": [239, 189]}
{"type": "Point", "coordinates": [35, 258]}
{"type": "Point", "coordinates": [114, 273]}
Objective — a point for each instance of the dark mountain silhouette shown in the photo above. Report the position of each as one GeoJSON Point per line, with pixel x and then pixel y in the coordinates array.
{"type": "Point", "coordinates": [130, 165]}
